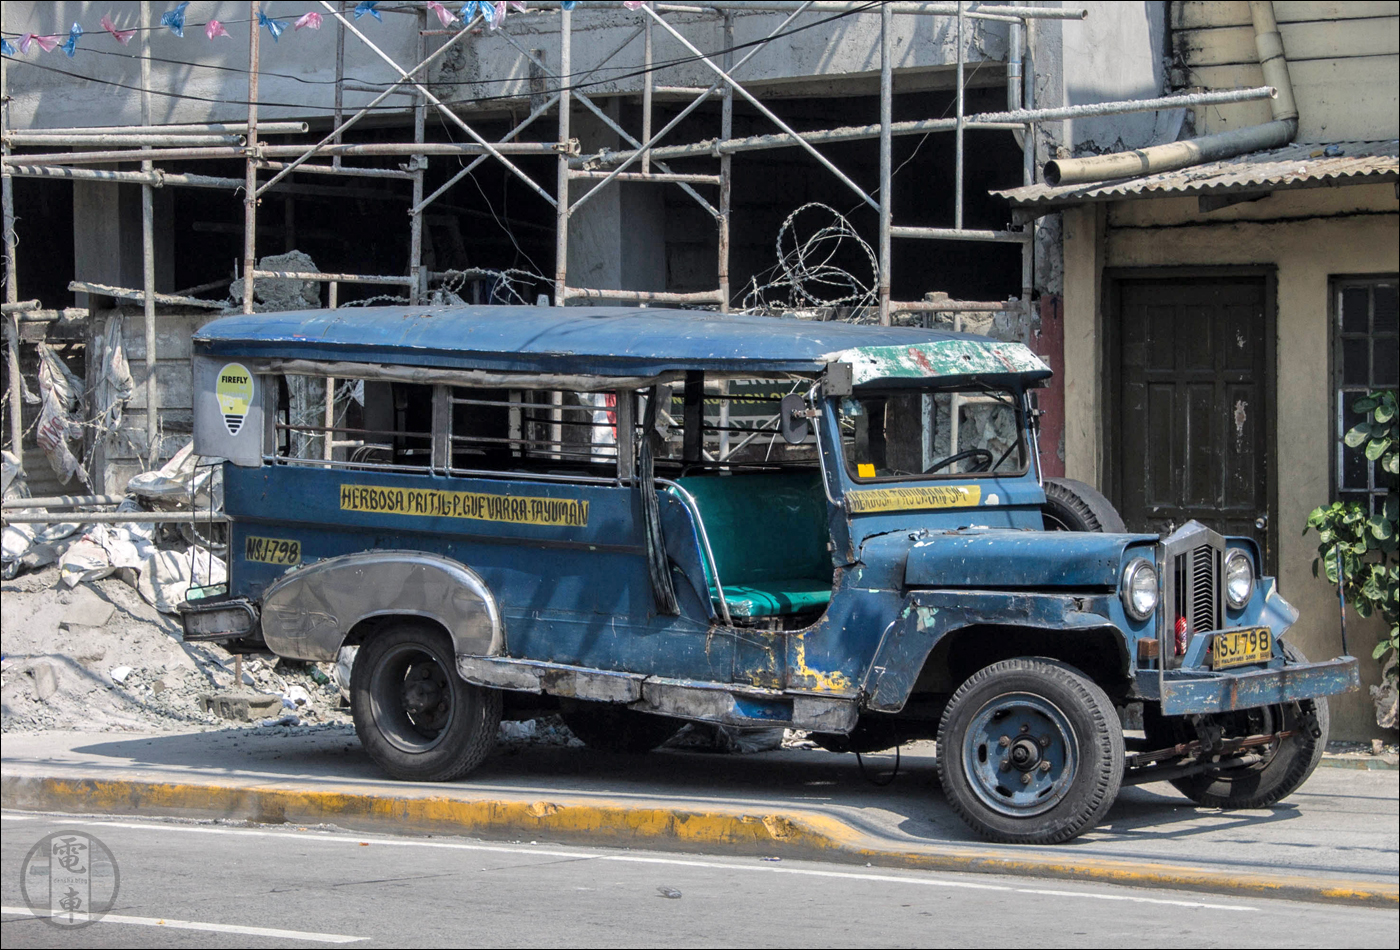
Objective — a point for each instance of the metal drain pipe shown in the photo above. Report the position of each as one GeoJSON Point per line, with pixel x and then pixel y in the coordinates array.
{"type": "Point", "coordinates": [1207, 148]}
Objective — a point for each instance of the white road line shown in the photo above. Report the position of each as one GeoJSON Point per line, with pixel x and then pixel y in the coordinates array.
{"type": "Point", "coordinates": [200, 925]}
{"type": "Point", "coordinates": [9, 817]}
{"type": "Point", "coordinates": [640, 859]}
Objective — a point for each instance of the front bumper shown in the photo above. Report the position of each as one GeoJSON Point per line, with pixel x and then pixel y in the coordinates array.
{"type": "Point", "coordinates": [1204, 691]}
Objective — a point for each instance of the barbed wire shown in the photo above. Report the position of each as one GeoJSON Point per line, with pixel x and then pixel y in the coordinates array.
{"type": "Point", "coordinates": [805, 275]}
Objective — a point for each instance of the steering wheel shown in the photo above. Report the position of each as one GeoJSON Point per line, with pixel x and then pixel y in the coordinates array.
{"type": "Point", "coordinates": [983, 456]}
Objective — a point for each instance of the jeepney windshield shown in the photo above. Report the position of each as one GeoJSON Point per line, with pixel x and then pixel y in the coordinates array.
{"type": "Point", "coordinates": [900, 434]}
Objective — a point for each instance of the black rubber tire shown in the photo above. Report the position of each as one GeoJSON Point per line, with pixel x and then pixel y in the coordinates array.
{"type": "Point", "coordinates": [608, 727]}
{"type": "Point", "coordinates": [1086, 788]}
{"type": "Point", "coordinates": [1282, 772]}
{"type": "Point", "coordinates": [378, 697]}
{"type": "Point", "coordinates": [1074, 506]}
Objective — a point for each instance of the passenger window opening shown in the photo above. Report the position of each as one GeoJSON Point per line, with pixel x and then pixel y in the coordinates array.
{"type": "Point", "coordinates": [558, 431]}
{"type": "Point", "coordinates": [722, 425]}
{"type": "Point", "coordinates": [901, 434]}
{"type": "Point", "coordinates": [356, 422]}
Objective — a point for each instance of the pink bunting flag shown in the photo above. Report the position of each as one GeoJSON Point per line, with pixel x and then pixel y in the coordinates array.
{"type": "Point", "coordinates": [214, 28]}
{"type": "Point", "coordinates": [444, 15]}
{"type": "Point", "coordinates": [123, 36]}
{"type": "Point", "coordinates": [520, 6]}
{"type": "Point", "coordinates": [633, 4]}
{"type": "Point", "coordinates": [46, 43]}
{"type": "Point", "coordinates": [312, 20]}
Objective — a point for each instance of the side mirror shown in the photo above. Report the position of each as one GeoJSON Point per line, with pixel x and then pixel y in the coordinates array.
{"type": "Point", "coordinates": [793, 421]}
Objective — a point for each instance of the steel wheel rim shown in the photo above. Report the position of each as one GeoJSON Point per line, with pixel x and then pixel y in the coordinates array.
{"type": "Point", "coordinates": [412, 698]}
{"type": "Point", "coordinates": [1013, 736]}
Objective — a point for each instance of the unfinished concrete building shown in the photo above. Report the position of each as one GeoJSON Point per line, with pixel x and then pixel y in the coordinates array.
{"type": "Point", "coordinates": [861, 161]}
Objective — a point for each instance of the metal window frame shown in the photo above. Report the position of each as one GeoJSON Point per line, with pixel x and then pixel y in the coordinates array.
{"type": "Point", "coordinates": [1336, 284]}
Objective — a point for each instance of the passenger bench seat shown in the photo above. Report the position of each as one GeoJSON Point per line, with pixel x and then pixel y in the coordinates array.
{"type": "Point", "coordinates": [768, 533]}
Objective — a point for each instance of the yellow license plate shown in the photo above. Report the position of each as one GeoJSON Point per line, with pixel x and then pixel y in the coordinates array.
{"type": "Point", "coordinates": [1242, 647]}
{"type": "Point", "coordinates": [272, 550]}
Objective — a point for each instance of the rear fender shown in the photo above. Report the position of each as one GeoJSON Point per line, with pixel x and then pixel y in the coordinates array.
{"type": "Point", "coordinates": [307, 613]}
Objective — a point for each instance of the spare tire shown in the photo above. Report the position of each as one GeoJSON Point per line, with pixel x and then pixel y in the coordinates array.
{"type": "Point", "coordinates": [1074, 506]}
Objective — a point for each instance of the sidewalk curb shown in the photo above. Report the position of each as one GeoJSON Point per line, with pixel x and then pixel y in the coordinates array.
{"type": "Point", "coordinates": [1370, 764]}
{"type": "Point", "coordinates": [795, 834]}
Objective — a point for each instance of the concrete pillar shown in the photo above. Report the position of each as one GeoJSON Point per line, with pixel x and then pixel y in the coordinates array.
{"type": "Point", "coordinates": [107, 236]}
{"type": "Point", "coordinates": [1083, 342]}
{"type": "Point", "coordinates": [617, 240]}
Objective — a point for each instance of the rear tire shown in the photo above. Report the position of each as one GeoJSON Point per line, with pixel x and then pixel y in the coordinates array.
{"type": "Point", "coordinates": [1074, 506]}
{"type": "Point", "coordinates": [416, 718]}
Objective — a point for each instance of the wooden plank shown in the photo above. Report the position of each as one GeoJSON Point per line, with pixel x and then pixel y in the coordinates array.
{"type": "Point", "coordinates": [1301, 11]}
{"type": "Point", "coordinates": [1337, 39]}
{"type": "Point", "coordinates": [1204, 14]}
{"type": "Point", "coordinates": [1348, 100]}
{"type": "Point", "coordinates": [1198, 14]}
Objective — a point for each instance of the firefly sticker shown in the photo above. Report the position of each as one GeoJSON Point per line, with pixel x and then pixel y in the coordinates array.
{"type": "Point", "coordinates": [235, 392]}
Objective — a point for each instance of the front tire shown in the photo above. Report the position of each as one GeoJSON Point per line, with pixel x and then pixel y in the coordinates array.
{"type": "Point", "coordinates": [1030, 752]}
{"type": "Point", "coordinates": [416, 718]}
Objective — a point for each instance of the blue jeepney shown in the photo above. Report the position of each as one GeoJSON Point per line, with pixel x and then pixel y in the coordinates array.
{"type": "Point", "coordinates": [644, 517]}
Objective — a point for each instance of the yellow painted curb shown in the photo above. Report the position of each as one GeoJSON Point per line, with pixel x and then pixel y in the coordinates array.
{"type": "Point", "coordinates": [621, 824]}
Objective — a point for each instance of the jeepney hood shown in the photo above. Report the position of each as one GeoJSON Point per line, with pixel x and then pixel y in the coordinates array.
{"type": "Point", "coordinates": [997, 559]}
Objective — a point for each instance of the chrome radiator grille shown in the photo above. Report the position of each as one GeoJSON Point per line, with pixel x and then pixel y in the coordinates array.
{"type": "Point", "coordinates": [1192, 560]}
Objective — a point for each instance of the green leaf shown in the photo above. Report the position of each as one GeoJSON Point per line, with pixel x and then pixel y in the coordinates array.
{"type": "Point", "coordinates": [1384, 413]}
{"type": "Point", "coordinates": [1391, 463]}
{"type": "Point", "coordinates": [1381, 528]}
{"type": "Point", "coordinates": [1377, 448]}
{"type": "Point", "coordinates": [1356, 436]}
{"type": "Point", "coordinates": [1390, 510]}
{"type": "Point", "coordinates": [1380, 650]}
{"type": "Point", "coordinates": [1366, 403]}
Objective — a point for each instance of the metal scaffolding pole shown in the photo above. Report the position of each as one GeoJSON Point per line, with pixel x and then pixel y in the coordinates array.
{"type": "Point", "coordinates": [958, 132]}
{"type": "Point", "coordinates": [148, 253]}
{"type": "Point", "coordinates": [420, 165]}
{"type": "Point", "coordinates": [7, 197]}
{"type": "Point", "coordinates": [561, 206]}
{"type": "Point", "coordinates": [726, 188]}
{"type": "Point", "coordinates": [250, 174]}
{"type": "Point", "coordinates": [886, 154]}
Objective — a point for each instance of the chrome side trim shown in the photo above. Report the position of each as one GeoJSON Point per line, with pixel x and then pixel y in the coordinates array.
{"type": "Point", "coordinates": [308, 612]}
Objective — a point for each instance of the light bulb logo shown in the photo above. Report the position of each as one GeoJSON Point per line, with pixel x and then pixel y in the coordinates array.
{"type": "Point", "coordinates": [235, 393]}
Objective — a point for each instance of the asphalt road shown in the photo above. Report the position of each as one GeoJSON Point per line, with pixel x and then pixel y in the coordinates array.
{"type": "Point", "coordinates": [216, 885]}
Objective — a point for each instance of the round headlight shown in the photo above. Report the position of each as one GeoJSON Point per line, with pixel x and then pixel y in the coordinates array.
{"type": "Point", "coordinates": [1139, 591]}
{"type": "Point", "coordinates": [1239, 578]}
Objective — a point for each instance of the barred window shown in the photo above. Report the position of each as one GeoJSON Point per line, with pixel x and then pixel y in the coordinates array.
{"type": "Point", "coordinates": [1366, 357]}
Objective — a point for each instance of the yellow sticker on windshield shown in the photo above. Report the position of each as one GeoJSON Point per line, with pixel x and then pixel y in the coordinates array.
{"type": "Point", "coordinates": [914, 499]}
{"type": "Point", "coordinates": [865, 470]}
{"type": "Point", "coordinates": [235, 393]}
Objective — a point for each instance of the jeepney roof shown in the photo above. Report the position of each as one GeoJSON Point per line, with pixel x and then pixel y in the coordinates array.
{"type": "Point", "coordinates": [610, 341]}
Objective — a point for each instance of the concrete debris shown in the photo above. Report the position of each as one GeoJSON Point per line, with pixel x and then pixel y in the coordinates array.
{"type": "Point", "coordinates": [86, 609]}
{"type": "Point", "coordinates": [1385, 696]}
{"type": "Point", "coordinates": [133, 672]}
{"type": "Point", "coordinates": [241, 707]}
{"type": "Point", "coordinates": [278, 293]}
{"type": "Point", "coordinates": [45, 680]}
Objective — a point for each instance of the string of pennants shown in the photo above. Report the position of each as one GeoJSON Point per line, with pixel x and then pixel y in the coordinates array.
{"type": "Point", "coordinates": [174, 20]}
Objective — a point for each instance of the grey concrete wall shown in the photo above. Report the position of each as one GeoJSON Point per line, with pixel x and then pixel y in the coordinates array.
{"type": "Point", "coordinates": [203, 80]}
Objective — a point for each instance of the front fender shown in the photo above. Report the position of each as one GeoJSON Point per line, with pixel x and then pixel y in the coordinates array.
{"type": "Point", "coordinates": [308, 612]}
{"type": "Point", "coordinates": [930, 615]}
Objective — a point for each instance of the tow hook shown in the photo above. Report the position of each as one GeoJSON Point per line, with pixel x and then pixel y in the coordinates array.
{"type": "Point", "coordinates": [1307, 720]}
{"type": "Point", "coordinates": [1210, 734]}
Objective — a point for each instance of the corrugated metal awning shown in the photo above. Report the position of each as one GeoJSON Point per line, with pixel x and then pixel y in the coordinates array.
{"type": "Point", "coordinates": [1296, 166]}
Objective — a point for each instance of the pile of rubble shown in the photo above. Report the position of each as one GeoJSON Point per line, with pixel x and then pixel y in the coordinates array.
{"type": "Point", "coordinates": [98, 658]}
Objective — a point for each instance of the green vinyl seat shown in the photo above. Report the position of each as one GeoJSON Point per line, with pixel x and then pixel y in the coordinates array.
{"type": "Point", "coordinates": [768, 532]}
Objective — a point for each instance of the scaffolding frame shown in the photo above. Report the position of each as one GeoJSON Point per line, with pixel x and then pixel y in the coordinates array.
{"type": "Point", "coordinates": [150, 144]}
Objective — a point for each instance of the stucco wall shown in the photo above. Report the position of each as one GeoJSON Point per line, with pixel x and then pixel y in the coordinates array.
{"type": "Point", "coordinates": [1308, 236]}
